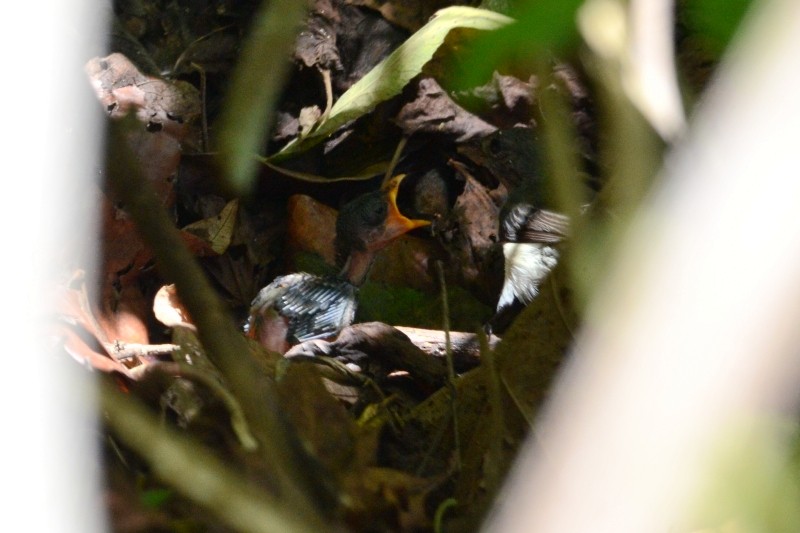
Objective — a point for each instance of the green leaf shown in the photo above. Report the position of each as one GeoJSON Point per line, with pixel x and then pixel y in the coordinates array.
{"type": "Point", "coordinates": [542, 28]}
{"type": "Point", "coordinates": [389, 77]}
{"type": "Point", "coordinates": [716, 21]}
{"type": "Point", "coordinates": [365, 174]}
{"type": "Point", "coordinates": [156, 498]}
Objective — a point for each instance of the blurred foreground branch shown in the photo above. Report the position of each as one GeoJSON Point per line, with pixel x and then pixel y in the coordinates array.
{"type": "Point", "coordinates": [224, 343]}
{"type": "Point", "coordinates": [694, 335]}
{"type": "Point", "coordinates": [194, 471]}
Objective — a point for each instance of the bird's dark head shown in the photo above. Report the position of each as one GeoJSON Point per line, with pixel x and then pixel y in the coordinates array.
{"type": "Point", "coordinates": [367, 224]}
{"type": "Point", "coordinates": [511, 155]}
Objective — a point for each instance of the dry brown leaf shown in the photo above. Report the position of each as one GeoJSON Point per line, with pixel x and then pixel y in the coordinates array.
{"type": "Point", "coordinates": [125, 318]}
{"type": "Point", "coordinates": [88, 336]}
{"type": "Point", "coordinates": [169, 310]}
{"type": "Point", "coordinates": [78, 347]}
{"type": "Point", "coordinates": [433, 111]}
{"type": "Point", "coordinates": [217, 231]}
{"type": "Point", "coordinates": [470, 234]}
{"type": "Point", "coordinates": [121, 88]}
{"type": "Point", "coordinates": [311, 227]}
{"type": "Point", "coordinates": [166, 110]}
{"type": "Point", "coordinates": [410, 15]}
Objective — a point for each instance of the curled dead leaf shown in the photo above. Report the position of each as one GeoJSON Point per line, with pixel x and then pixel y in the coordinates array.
{"type": "Point", "coordinates": [169, 310]}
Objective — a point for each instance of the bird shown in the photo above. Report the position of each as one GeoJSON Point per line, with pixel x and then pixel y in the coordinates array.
{"type": "Point", "coordinates": [531, 230]}
{"type": "Point", "coordinates": [300, 306]}
{"type": "Point", "coordinates": [530, 236]}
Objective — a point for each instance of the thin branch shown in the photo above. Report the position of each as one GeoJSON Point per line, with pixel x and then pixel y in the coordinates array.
{"type": "Point", "coordinates": [451, 382]}
{"type": "Point", "coordinates": [127, 350]}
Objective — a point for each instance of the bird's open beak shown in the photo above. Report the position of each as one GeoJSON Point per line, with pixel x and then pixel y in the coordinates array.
{"type": "Point", "coordinates": [396, 223]}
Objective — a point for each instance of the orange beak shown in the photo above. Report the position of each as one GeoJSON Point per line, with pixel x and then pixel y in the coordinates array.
{"type": "Point", "coordinates": [396, 223]}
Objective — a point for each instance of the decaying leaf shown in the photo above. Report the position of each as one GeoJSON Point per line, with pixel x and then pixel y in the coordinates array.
{"type": "Point", "coordinates": [309, 116]}
{"type": "Point", "coordinates": [433, 111]}
{"type": "Point", "coordinates": [505, 101]}
{"type": "Point", "coordinates": [125, 257]}
{"type": "Point", "coordinates": [124, 253]}
{"type": "Point", "coordinates": [94, 338]}
{"type": "Point", "coordinates": [316, 43]}
{"type": "Point", "coordinates": [345, 40]}
{"type": "Point", "coordinates": [165, 109]}
{"type": "Point", "coordinates": [311, 227]}
{"type": "Point", "coordinates": [217, 230]}
{"type": "Point", "coordinates": [410, 15]}
{"type": "Point", "coordinates": [159, 104]}
{"type": "Point", "coordinates": [470, 234]}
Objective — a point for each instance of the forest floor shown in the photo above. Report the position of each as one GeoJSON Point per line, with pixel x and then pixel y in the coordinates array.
{"type": "Point", "coordinates": [387, 433]}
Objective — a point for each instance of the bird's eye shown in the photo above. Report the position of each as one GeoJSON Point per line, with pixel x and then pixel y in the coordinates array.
{"type": "Point", "coordinates": [375, 214]}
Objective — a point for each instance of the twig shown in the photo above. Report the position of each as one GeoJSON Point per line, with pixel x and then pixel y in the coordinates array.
{"type": "Point", "coordinates": [326, 80]}
{"type": "Point", "coordinates": [463, 345]}
{"type": "Point", "coordinates": [498, 425]}
{"type": "Point", "coordinates": [203, 112]}
{"type": "Point", "coordinates": [338, 371]}
{"type": "Point", "coordinates": [395, 158]}
{"type": "Point", "coordinates": [188, 47]}
{"type": "Point", "coordinates": [128, 350]}
{"type": "Point", "coordinates": [560, 305]}
{"type": "Point", "coordinates": [451, 382]}
{"type": "Point", "coordinates": [440, 510]}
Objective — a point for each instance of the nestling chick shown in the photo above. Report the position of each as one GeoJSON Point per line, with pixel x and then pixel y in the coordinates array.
{"type": "Point", "coordinates": [299, 307]}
